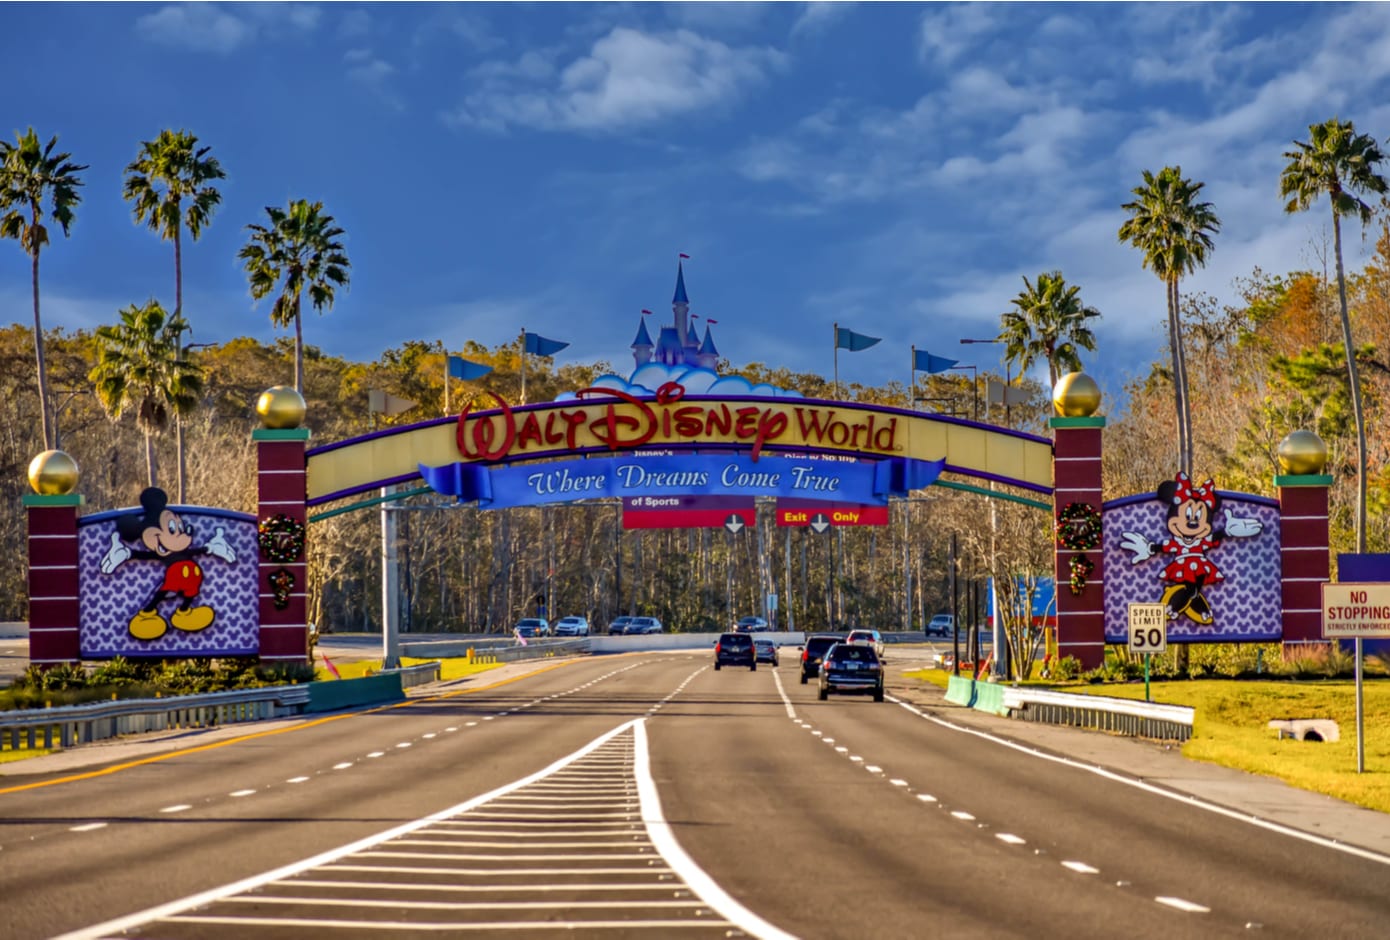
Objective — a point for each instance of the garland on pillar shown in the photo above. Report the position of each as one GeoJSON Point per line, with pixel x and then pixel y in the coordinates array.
{"type": "Point", "coordinates": [282, 584]}
{"type": "Point", "coordinates": [1081, 568]}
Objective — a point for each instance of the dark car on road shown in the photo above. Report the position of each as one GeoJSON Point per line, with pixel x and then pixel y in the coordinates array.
{"type": "Point", "coordinates": [532, 627]}
{"type": "Point", "coordinates": [640, 626]}
{"type": "Point", "coordinates": [851, 668]}
{"type": "Point", "coordinates": [619, 626]}
{"type": "Point", "coordinates": [735, 649]}
{"type": "Point", "coordinates": [765, 651]}
{"type": "Point", "coordinates": [813, 651]}
{"type": "Point", "coordinates": [752, 625]}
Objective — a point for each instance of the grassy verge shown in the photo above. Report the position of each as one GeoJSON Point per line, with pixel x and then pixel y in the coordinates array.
{"type": "Point", "coordinates": [449, 668]}
{"type": "Point", "coordinates": [1231, 729]}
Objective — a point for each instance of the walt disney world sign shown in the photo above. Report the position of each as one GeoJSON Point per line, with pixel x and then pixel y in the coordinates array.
{"type": "Point", "coordinates": [612, 430]}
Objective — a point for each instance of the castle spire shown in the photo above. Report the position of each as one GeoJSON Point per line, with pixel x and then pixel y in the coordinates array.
{"type": "Point", "coordinates": [642, 345]}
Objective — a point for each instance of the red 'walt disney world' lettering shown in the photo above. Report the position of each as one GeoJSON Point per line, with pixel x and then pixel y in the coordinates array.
{"type": "Point", "coordinates": [626, 423]}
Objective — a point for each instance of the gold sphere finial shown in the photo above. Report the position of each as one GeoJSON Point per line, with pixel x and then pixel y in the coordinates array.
{"type": "Point", "coordinates": [1076, 395]}
{"type": "Point", "coordinates": [281, 407]}
{"type": "Point", "coordinates": [1302, 453]}
{"type": "Point", "coordinates": [53, 473]}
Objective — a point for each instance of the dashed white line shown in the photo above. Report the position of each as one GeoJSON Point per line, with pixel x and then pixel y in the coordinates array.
{"type": "Point", "coordinates": [1081, 868]}
{"type": "Point", "coordinates": [88, 827]}
{"type": "Point", "coordinates": [471, 724]}
{"type": "Point", "coordinates": [856, 758]}
{"type": "Point", "coordinates": [343, 766]}
{"type": "Point", "coordinates": [403, 744]}
{"type": "Point", "coordinates": [873, 768]}
{"type": "Point", "coordinates": [377, 754]}
{"type": "Point", "coordinates": [898, 782]}
{"type": "Point", "coordinates": [428, 736]}
{"type": "Point", "coordinates": [1010, 838]}
{"type": "Point", "coordinates": [177, 808]}
{"type": "Point", "coordinates": [241, 793]}
{"type": "Point", "coordinates": [841, 750]}
{"type": "Point", "coordinates": [926, 798]}
{"type": "Point", "coordinates": [302, 779]}
{"type": "Point", "coordinates": [1183, 905]}
{"type": "Point", "coordinates": [451, 729]}
{"type": "Point", "coordinates": [961, 814]}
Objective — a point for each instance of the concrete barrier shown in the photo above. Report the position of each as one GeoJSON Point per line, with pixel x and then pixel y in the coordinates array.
{"type": "Point", "coordinates": [335, 694]}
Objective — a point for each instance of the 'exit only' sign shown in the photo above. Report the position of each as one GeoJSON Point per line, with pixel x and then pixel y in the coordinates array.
{"type": "Point", "coordinates": [1351, 610]}
{"type": "Point", "coordinates": [802, 513]}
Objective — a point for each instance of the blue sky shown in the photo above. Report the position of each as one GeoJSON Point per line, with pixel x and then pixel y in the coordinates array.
{"type": "Point", "coordinates": [896, 168]}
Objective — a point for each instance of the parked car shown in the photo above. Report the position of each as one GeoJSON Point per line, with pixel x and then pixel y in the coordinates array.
{"type": "Point", "coordinates": [870, 638]}
{"type": "Point", "coordinates": [572, 626]}
{"type": "Point", "coordinates": [941, 625]}
{"type": "Point", "coordinates": [813, 651]}
{"type": "Point", "coordinates": [531, 627]}
{"type": "Point", "coordinates": [765, 651]}
{"type": "Point", "coordinates": [851, 668]}
{"type": "Point", "coordinates": [619, 626]}
{"type": "Point", "coordinates": [752, 625]}
{"type": "Point", "coordinates": [735, 649]}
{"type": "Point", "coordinates": [642, 625]}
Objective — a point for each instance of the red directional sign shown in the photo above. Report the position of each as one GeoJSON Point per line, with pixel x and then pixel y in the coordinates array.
{"type": "Point", "coordinates": [686, 512]}
{"type": "Point", "coordinates": [808, 512]}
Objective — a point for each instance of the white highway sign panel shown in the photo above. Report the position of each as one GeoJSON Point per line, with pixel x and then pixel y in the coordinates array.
{"type": "Point", "coordinates": [1148, 628]}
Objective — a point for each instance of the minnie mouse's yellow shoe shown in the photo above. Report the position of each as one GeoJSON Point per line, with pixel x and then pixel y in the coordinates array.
{"type": "Point", "coordinates": [1166, 601]}
{"type": "Point", "coordinates": [1200, 611]}
{"type": "Point", "coordinates": [147, 625]}
{"type": "Point", "coordinates": [192, 618]}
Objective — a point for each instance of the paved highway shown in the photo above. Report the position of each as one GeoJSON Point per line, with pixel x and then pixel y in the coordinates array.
{"type": "Point", "coordinates": [647, 795]}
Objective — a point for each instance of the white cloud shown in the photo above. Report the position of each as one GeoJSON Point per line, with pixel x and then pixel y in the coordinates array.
{"type": "Point", "coordinates": [208, 27]}
{"type": "Point", "coordinates": [628, 78]}
{"type": "Point", "coordinates": [949, 30]}
{"type": "Point", "coordinates": [817, 17]}
{"type": "Point", "coordinates": [373, 73]}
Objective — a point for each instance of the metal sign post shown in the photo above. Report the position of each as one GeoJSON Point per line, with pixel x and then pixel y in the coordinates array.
{"type": "Point", "coordinates": [1355, 611]}
{"type": "Point", "coordinates": [1148, 634]}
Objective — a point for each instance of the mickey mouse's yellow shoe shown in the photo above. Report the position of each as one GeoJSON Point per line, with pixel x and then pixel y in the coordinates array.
{"type": "Point", "coordinates": [193, 618]}
{"type": "Point", "coordinates": [147, 625]}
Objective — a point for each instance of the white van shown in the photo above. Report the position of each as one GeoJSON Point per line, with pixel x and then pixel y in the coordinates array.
{"type": "Point", "coordinates": [941, 625]}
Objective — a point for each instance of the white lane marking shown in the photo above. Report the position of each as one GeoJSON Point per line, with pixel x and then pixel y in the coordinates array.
{"type": "Point", "coordinates": [873, 768]}
{"type": "Point", "coordinates": [786, 702]}
{"type": "Point", "coordinates": [1010, 838]}
{"type": "Point", "coordinates": [1081, 868]}
{"type": "Point", "coordinates": [459, 905]}
{"type": "Point", "coordinates": [343, 766]}
{"type": "Point", "coordinates": [488, 717]}
{"type": "Point", "coordinates": [856, 758]}
{"type": "Point", "coordinates": [298, 779]}
{"type": "Point", "coordinates": [377, 754]}
{"type": "Point", "coordinates": [177, 808]}
{"type": "Point", "coordinates": [961, 814]}
{"type": "Point", "coordinates": [926, 798]}
{"type": "Point", "coordinates": [204, 898]}
{"type": "Point", "coordinates": [897, 782]}
{"type": "Point", "coordinates": [428, 736]}
{"type": "Point", "coordinates": [319, 927]}
{"type": "Point", "coordinates": [241, 793]}
{"type": "Point", "coordinates": [403, 744]}
{"type": "Point", "coordinates": [1183, 905]}
{"type": "Point", "coordinates": [828, 740]}
{"type": "Point", "coordinates": [466, 889]}
{"type": "Point", "coordinates": [841, 750]}
{"type": "Point", "coordinates": [470, 724]}
{"type": "Point", "coordinates": [88, 827]}
{"type": "Point", "coordinates": [659, 831]}
{"type": "Point", "coordinates": [817, 733]}
{"type": "Point", "coordinates": [454, 728]}
{"type": "Point", "coordinates": [1184, 798]}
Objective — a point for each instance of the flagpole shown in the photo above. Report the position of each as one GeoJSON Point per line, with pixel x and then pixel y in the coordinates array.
{"type": "Point", "coordinates": [446, 381]}
{"type": "Point", "coordinates": [836, 354]}
{"type": "Point", "coordinates": [523, 365]}
{"type": "Point", "coordinates": [912, 382]}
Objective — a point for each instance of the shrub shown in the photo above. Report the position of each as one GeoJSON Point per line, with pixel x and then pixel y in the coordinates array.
{"type": "Point", "coordinates": [1065, 667]}
{"type": "Point", "coordinates": [122, 671]}
{"type": "Point", "coordinates": [1315, 661]}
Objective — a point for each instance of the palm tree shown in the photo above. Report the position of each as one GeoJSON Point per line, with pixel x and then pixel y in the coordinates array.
{"type": "Point", "coordinates": [298, 249]}
{"type": "Point", "coordinates": [1048, 322]}
{"type": "Point", "coordinates": [139, 367]}
{"type": "Point", "coordinates": [1341, 163]}
{"type": "Point", "coordinates": [1173, 230]}
{"type": "Point", "coordinates": [170, 169]}
{"type": "Point", "coordinates": [28, 176]}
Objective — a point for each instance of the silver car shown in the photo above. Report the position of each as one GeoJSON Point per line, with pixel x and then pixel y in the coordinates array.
{"type": "Point", "coordinates": [572, 626]}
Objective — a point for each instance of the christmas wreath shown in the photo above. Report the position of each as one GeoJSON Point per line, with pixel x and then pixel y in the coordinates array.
{"type": "Point", "coordinates": [281, 539]}
{"type": "Point", "coordinates": [282, 583]}
{"type": "Point", "coordinates": [1078, 527]}
{"type": "Point", "coordinates": [1081, 568]}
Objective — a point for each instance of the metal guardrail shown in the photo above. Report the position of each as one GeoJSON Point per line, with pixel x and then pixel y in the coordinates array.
{"type": "Point", "coordinates": [412, 676]}
{"type": "Point", "coordinates": [1118, 715]}
{"type": "Point", "coordinates": [535, 649]}
{"type": "Point", "coordinates": [81, 724]}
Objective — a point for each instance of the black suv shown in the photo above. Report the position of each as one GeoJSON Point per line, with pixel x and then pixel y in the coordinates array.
{"type": "Point", "coordinates": [814, 651]}
{"type": "Point", "coordinates": [735, 649]}
{"type": "Point", "coordinates": [852, 668]}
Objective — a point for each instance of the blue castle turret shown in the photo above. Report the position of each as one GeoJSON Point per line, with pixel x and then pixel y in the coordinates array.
{"type": "Point", "coordinates": [642, 345]}
{"type": "Point", "coordinates": [676, 344]}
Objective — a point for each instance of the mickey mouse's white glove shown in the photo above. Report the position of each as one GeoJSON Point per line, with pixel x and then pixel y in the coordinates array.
{"type": "Point", "coordinates": [1134, 542]}
{"type": "Point", "coordinates": [115, 555]}
{"type": "Point", "coordinates": [217, 545]}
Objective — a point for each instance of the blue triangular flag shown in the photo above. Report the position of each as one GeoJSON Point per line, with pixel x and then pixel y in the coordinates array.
{"type": "Point", "coordinates": [848, 339]}
{"type": "Point", "coordinates": [538, 345]}
{"type": "Point", "coordinates": [461, 368]}
{"type": "Point", "coordinates": [924, 361]}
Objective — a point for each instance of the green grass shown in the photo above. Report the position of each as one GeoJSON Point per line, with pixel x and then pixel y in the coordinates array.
{"type": "Point", "coordinates": [1230, 728]}
{"type": "Point", "coordinates": [449, 668]}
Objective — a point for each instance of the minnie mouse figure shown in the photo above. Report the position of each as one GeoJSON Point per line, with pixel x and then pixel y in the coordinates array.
{"type": "Point", "coordinates": [167, 539]}
{"type": "Point", "coordinates": [1192, 534]}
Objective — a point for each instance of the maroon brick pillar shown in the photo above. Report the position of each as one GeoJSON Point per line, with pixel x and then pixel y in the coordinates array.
{"type": "Point", "coordinates": [1076, 478]}
{"type": "Point", "coordinates": [1304, 557]}
{"type": "Point", "coordinates": [280, 488]}
{"type": "Point", "coordinates": [53, 578]}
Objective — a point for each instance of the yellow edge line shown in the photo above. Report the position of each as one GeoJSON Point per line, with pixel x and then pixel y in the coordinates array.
{"type": "Point", "coordinates": [263, 734]}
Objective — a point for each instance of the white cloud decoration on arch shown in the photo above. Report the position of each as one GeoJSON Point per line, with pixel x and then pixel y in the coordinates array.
{"type": "Point", "coordinates": [647, 378]}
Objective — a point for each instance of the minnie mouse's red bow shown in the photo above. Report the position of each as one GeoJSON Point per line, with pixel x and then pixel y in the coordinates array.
{"type": "Point", "coordinates": [1206, 493]}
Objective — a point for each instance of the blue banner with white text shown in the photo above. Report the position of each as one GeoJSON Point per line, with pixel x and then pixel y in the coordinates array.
{"type": "Point", "coordinates": [562, 481]}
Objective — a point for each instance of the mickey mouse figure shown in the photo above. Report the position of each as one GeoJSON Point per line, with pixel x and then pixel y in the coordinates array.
{"type": "Point", "coordinates": [167, 539]}
{"type": "Point", "coordinates": [1192, 534]}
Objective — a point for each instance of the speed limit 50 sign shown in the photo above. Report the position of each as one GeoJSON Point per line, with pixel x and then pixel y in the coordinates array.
{"type": "Point", "coordinates": [1148, 628]}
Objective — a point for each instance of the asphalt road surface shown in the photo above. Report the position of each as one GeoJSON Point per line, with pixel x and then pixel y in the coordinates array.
{"type": "Point", "coordinates": [646, 796]}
